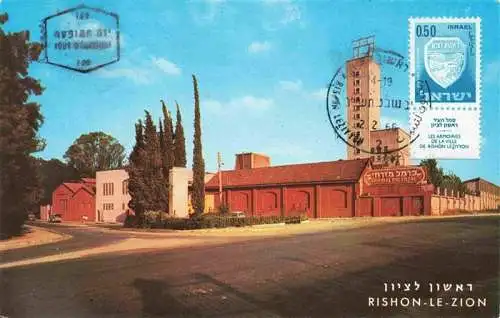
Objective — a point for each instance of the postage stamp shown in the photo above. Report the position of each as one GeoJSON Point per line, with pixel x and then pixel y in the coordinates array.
{"type": "Point", "coordinates": [446, 54]}
{"type": "Point", "coordinates": [81, 39]}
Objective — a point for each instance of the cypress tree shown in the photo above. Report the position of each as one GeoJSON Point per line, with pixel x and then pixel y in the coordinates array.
{"type": "Point", "coordinates": [167, 140]}
{"type": "Point", "coordinates": [161, 138]}
{"type": "Point", "coordinates": [153, 172]}
{"type": "Point", "coordinates": [198, 188]}
{"type": "Point", "coordinates": [167, 148]}
{"type": "Point", "coordinates": [179, 141]}
{"type": "Point", "coordinates": [137, 183]}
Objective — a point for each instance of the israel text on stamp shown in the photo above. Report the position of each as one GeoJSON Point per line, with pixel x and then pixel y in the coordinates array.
{"type": "Point", "coordinates": [446, 54]}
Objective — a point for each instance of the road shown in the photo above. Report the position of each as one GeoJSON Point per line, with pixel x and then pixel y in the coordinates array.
{"type": "Point", "coordinates": [330, 274]}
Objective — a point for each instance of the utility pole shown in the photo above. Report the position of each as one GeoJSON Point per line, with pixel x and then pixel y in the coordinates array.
{"type": "Point", "coordinates": [219, 164]}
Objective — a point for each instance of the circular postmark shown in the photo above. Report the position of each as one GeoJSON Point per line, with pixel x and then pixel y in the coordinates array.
{"type": "Point", "coordinates": [357, 98]}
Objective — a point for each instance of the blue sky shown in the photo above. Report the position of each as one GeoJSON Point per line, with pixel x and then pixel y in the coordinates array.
{"type": "Point", "coordinates": [262, 66]}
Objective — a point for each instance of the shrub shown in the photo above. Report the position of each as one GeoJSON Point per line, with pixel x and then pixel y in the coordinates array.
{"type": "Point", "coordinates": [217, 221]}
{"type": "Point", "coordinates": [131, 221]}
{"type": "Point", "coordinates": [153, 217]}
{"type": "Point", "coordinates": [224, 209]}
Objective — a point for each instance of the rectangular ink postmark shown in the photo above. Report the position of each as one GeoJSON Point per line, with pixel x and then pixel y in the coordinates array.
{"type": "Point", "coordinates": [445, 60]}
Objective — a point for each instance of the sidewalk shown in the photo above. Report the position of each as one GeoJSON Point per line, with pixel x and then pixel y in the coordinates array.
{"type": "Point", "coordinates": [280, 229]}
{"type": "Point", "coordinates": [32, 236]}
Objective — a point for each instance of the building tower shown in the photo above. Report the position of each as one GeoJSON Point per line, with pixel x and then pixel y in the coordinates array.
{"type": "Point", "coordinates": [363, 93]}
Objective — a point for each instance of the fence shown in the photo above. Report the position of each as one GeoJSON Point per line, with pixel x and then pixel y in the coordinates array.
{"type": "Point", "coordinates": [445, 200]}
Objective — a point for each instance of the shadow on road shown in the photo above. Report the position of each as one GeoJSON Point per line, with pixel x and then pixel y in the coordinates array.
{"type": "Point", "coordinates": [157, 301]}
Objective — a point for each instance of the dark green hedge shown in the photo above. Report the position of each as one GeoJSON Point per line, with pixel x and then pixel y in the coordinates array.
{"type": "Point", "coordinates": [212, 221]}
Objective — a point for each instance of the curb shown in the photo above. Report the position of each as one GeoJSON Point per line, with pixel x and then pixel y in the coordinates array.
{"type": "Point", "coordinates": [31, 243]}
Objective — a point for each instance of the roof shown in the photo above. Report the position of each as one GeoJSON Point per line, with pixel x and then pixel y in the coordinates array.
{"type": "Point", "coordinates": [252, 153]}
{"type": "Point", "coordinates": [74, 187]}
{"type": "Point", "coordinates": [330, 171]}
{"type": "Point", "coordinates": [88, 180]}
{"type": "Point", "coordinates": [480, 179]}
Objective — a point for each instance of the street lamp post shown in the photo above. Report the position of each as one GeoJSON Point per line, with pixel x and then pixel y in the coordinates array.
{"type": "Point", "coordinates": [219, 164]}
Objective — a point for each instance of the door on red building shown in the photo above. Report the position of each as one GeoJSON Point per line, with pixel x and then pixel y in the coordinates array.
{"type": "Point", "coordinates": [391, 207]}
{"type": "Point", "coordinates": [334, 203]}
{"type": "Point", "coordinates": [299, 202]}
{"type": "Point", "coordinates": [267, 203]}
{"type": "Point", "coordinates": [417, 206]}
{"type": "Point", "coordinates": [240, 202]}
{"type": "Point", "coordinates": [63, 203]}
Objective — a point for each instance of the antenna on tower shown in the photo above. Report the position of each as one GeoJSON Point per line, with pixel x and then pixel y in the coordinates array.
{"type": "Point", "coordinates": [363, 46]}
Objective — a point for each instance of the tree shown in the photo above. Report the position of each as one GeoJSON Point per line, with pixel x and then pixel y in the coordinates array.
{"type": "Point", "coordinates": [136, 182]}
{"type": "Point", "coordinates": [435, 173]}
{"type": "Point", "coordinates": [179, 141]}
{"type": "Point", "coordinates": [95, 151]}
{"type": "Point", "coordinates": [438, 178]}
{"type": "Point", "coordinates": [198, 188]}
{"type": "Point", "coordinates": [168, 142]}
{"type": "Point", "coordinates": [51, 174]}
{"type": "Point", "coordinates": [453, 182]}
{"type": "Point", "coordinates": [20, 121]}
{"type": "Point", "coordinates": [153, 168]}
{"type": "Point", "coordinates": [167, 148]}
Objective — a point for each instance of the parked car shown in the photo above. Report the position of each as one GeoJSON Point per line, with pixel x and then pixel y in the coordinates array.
{"type": "Point", "coordinates": [31, 217]}
{"type": "Point", "coordinates": [55, 218]}
{"type": "Point", "coordinates": [237, 214]}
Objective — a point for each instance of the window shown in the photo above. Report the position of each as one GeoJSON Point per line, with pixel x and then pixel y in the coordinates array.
{"type": "Point", "coordinates": [357, 151]}
{"type": "Point", "coordinates": [356, 82]}
{"type": "Point", "coordinates": [108, 188]}
{"type": "Point", "coordinates": [356, 90]}
{"type": "Point", "coordinates": [107, 206]}
{"type": "Point", "coordinates": [125, 187]}
{"type": "Point", "coordinates": [386, 149]}
{"type": "Point", "coordinates": [356, 116]}
{"type": "Point", "coordinates": [356, 74]}
{"type": "Point", "coordinates": [372, 150]}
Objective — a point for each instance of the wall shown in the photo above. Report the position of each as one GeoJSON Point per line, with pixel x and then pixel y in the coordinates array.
{"type": "Point", "coordinates": [380, 139]}
{"type": "Point", "coordinates": [402, 193]}
{"type": "Point", "coordinates": [369, 116]}
{"type": "Point", "coordinates": [60, 199]}
{"type": "Point", "coordinates": [178, 194]}
{"type": "Point", "coordinates": [444, 201]}
{"type": "Point", "coordinates": [251, 160]}
{"type": "Point", "coordinates": [488, 192]}
{"type": "Point", "coordinates": [119, 199]}
{"type": "Point", "coordinates": [317, 201]}
{"type": "Point", "coordinates": [82, 204]}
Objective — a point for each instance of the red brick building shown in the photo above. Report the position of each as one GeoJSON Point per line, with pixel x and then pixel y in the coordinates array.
{"type": "Point", "coordinates": [75, 199]}
{"type": "Point", "coordinates": [343, 188]}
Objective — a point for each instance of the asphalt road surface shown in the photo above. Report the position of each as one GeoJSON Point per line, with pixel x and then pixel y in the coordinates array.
{"type": "Point", "coordinates": [341, 273]}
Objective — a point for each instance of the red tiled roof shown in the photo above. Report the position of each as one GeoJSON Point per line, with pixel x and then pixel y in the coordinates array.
{"type": "Point", "coordinates": [88, 180]}
{"type": "Point", "coordinates": [330, 171]}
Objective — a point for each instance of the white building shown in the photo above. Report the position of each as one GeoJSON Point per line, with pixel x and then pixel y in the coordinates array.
{"type": "Point", "coordinates": [112, 195]}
